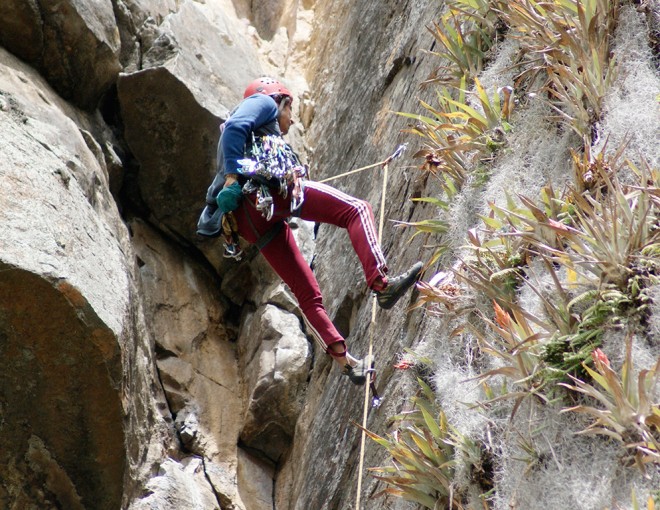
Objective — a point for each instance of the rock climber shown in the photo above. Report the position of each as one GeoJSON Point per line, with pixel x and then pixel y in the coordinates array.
{"type": "Point", "coordinates": [260, 184]}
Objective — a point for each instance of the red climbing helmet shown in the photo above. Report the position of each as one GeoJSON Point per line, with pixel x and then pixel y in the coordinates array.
{"type": "Point", "coordinates": [268, 86]}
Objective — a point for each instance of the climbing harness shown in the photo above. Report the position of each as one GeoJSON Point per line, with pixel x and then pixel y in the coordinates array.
{"type": "Point", "coordinates": [272, 166]}
{"type": "Point", "coordinates": [376, 400]}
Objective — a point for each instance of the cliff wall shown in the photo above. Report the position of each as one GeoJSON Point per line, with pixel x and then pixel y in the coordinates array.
{"type": "Point", "coordinates": [141, 369]}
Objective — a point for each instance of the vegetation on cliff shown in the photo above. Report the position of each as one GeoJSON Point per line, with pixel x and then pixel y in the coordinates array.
{"type": "Point", "coordinates": [545, 283]}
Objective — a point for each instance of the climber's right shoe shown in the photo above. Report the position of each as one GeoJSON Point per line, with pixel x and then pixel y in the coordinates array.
{"type": "Point", "coordinates": [397, 287]}
{"type": "Point", "coordinates": [358, 373]}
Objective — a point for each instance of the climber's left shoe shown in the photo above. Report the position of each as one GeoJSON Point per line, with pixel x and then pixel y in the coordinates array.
{"type": "Point", "coordinates": [358, 373]}
{"type": "Point", "coordinates": [397, 287]}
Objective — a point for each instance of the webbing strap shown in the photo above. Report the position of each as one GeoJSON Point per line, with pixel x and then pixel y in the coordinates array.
{"type": "Point", "coordinates": [372, 325]}
{"type": "Point", "coordinates": [268, 236]}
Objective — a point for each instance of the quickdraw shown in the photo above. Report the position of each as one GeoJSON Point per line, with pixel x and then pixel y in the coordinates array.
{"type": "Point", "coordinates": [229, 232]}
{"type": "Point", "coordinates": [376, 399]}
{"type": "Point", "coordinates": [272, 165]}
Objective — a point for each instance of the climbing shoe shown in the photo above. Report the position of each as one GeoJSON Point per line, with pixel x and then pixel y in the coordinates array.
{"type": "Point", "coordinates": [397, 287]}
{"type": "Point", "coordinates": [358, 373]}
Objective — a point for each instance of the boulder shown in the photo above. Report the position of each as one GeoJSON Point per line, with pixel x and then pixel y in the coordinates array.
{"type": "Point", "coordinates": [76, 419]}
{"type": "Point", "coordinates": [179, 485]}
{"type": "Point", "coordinates": [61, 323]}
{"type": "Point", "coordinates": [275, 356]}
{"type": "Point", "coordinates": [59, 396]}
{"type": "Point", "coordinates": [173, 105]}
{"type": "Point", "coordinates": [75, 44]}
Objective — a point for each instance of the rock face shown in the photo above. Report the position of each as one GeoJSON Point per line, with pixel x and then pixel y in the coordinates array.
{"type": "Point", "coordinates": [63, 374]}
{"type": "Point", "coordinates": [142, 370]}
{"type": "Point", "coordinates": [276, 357]}
{"type": "Point", "coordinates": [70, 322]}
{"type": "Point", "coordinates": [74, 44]}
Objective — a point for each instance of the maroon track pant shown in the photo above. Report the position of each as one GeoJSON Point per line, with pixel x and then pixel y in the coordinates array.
{"type": "Point", "coordinates": [323, 204]}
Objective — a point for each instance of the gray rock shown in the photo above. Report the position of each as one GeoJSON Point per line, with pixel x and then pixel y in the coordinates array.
{"type": "Point", "coordinates": [276, 357]}
{"type": "Point", "coordinates": [188, 427]}
{"type": "Point", "coordinates": [72, 336]}
{"type": "Point", "coordinates": [74, 43]}
{"type": "Point", "coordinates": [179, 485]}
{"type": "Point", "coordinates": [255, 481]}
{"type": "Point", "coordinates": [61, 325]}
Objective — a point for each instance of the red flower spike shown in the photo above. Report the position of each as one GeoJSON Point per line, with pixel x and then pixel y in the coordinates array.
{"type": "Point", "coordinates": [600, 358]}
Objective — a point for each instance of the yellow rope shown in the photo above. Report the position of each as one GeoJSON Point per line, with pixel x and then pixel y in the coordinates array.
{"type": "Point", "coordinates": [352, 172]}
{"type": "Point", "coordinates": [372, 325]}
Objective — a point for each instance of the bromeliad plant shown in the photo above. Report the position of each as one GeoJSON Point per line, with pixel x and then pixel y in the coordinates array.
{"type": "Point", "coordinates": [600, 233]}
{"type": "Point", "coordinates": [445, 157]}
{"type": "Point", "coordinates": [566, 43]}
{"type": "Point", "coordinates": [590, 168]}
{"type": "Point", "coordinates": [459, 136]}
{"type": "Point", "coordinates": [494, 263]}
{"type": "Point", "coordinates": [623, 406]}
{"type": "Point", "coordinates": [530, 220]}
{"type": "Point", "coordinates": [599, 253]}
{"type": "Point", "coordinates": [464, 35]}
{"type": "Point", "coordinates": [479, 129]}
{"type": "Point", "coordinates": [610, 232]}
{"type": "Point", "coordinates": [440, 291]}
{"type": "Point", "coordinates": [609, 245]}
{"type": "Point", "coordinates": [426, 451]}
{"type": "Point", "coordinates": [513, 340]}
{"type": "Point", "coordinates": [423, 447]}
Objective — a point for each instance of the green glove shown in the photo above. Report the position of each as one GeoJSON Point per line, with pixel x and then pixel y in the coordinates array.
{"type": "Point", "coordinates": [229, 197]}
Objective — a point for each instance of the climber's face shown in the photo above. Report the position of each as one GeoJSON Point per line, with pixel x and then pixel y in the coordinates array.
{"type": "Point", "coordinates": [285, 119]}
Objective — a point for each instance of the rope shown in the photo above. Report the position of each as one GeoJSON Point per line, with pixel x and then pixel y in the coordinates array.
{"type": "Point", "coordinates": [372, 324]}
{"type": "Point", "coordinates": [353, 171]}
{"type": "Point", "coordinates": [399, 150]}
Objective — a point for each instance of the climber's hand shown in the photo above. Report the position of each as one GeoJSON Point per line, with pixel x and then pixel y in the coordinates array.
{"type": "Point", "coordinates": [229, 197]}
{"type": "Point", "coordinates": [230, 179]}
